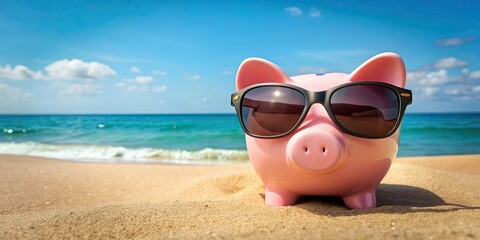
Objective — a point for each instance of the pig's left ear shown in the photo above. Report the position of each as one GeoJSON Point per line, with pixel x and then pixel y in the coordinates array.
{"type": "Point", "coordinates": [385, 67]}
{"type": "Point", "coordinates": [257, 70]}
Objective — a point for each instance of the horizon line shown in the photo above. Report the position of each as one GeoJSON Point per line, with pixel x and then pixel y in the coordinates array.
{"type": "Point", "coordinates": [206, 113]}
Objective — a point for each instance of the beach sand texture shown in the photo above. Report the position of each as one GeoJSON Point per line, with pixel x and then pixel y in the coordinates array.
{"type": "Point", "coordinates": [420, 198]}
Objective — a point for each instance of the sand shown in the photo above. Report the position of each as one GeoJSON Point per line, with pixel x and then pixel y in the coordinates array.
{"type": "Point", "coordinates": [420, 198]}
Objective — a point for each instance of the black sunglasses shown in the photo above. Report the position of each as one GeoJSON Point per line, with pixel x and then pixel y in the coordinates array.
{"type": "Point", "coordinates": [362, 109]}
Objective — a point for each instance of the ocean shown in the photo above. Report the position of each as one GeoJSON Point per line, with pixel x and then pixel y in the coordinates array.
{"type": "Point", "coordinates": [197, 139]}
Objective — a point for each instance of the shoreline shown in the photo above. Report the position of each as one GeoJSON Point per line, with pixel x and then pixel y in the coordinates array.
{"type": "Point", "coordinates": [210, 162]}
{"type": "Point", "coordinates": [49, 198]}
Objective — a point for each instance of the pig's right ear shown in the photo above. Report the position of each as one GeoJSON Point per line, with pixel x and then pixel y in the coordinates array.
{"type": "Point", "coordinates": [257, 70]}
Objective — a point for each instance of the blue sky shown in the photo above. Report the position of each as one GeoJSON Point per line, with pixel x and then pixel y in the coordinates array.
{"type": "Point", "coordinates": [181, 57]}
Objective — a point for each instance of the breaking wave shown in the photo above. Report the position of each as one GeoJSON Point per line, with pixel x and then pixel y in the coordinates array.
{"type": "Point", "coordinates": [118, 154]}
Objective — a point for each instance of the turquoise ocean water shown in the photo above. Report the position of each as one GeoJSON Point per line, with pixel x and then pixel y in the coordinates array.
{"type": "Point", "coordinates": [196, 139]}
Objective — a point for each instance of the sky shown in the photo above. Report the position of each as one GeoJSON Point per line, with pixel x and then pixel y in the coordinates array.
{"type": "Point", "coordinates": [101, 57]}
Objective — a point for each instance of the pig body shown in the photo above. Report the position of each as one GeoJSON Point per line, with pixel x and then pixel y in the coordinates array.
{"type": "Point", "coordinates": [318, 158]}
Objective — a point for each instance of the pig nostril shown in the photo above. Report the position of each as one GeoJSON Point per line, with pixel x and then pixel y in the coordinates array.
{"type": "Point", "coordinates": [305, 149]}
{"type": "Point", "coordinates": [324, 150]}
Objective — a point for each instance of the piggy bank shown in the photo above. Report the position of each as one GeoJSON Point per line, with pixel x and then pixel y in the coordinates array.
{"type": "Point", "coordinates": [332, 134]}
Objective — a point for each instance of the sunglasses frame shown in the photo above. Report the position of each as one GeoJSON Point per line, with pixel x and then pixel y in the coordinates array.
{"type": "Point", "coordinates": [404, 97]}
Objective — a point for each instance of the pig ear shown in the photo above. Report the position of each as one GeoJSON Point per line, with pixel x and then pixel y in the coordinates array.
{"type": "Point", "coordinates": [384, 67]}
{"type": "Point", "coordinates": [257, 70]}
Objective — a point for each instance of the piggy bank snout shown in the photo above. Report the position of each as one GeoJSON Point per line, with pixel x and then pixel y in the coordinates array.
{"type": "Point", "coordinates": [315, 150]}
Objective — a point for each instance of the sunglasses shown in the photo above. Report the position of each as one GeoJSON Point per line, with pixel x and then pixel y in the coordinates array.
{"type": "Point", "coordinates": [363, 109]}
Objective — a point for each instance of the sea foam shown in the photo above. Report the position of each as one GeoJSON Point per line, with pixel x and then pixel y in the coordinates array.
{"type": "Point", "coordinates": [118, 154]}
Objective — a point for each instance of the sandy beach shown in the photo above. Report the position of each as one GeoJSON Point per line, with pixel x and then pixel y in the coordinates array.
{"type": "Point", "coordinates": [420, 198]}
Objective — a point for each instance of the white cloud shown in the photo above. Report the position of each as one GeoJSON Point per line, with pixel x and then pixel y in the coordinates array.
{"type": "Point", "coordinates": [462, 92]}
{"type": "Point", "coordinates": [131, 88]}
{"type": "Point", "coordinates": [194, 77]}
{"type": "Point", "coordinates": [137, 88]}
{"type": "Point", "coordinates": [465, 98]}
{"type": "Point", "coordinates": [78, 69]}
{"type": "Point", "coordinates": [143, 86]}
{"type": "Point", "coordinates": [135, 69]}
{"type": "Point", "coordinates": [143, 79]}
{"type": "Point", "coordinates": [204, 99]}
{"type": "Point", "coordinates": [452, 91]}
{"type": "Point", "coordinates": [428, 78]}
{"type": "Point", "coordinates": [450, 42]}
{"type": "Point", "coordinates": [314, 12]}
{"type": "Point", "coordinates": [294, 11]}
{"type": "Point", "coordinates": [226, 72]}
{"type": "Point", "coordinates": [476, 89]}
{"type": "Point", "coordinates": [455, 41]}
{"type": "Point", "coordinates": [159, 73]}
{"type": "Point", "coordinates": [429, 91]}
{"type": "Point", "coordinates": [444, 85]}
{"type": "Point", "coordinates": [15, 100]}
{"type": "Point", "coordinates": [19, 72]}
{"type": "Point", "coordinates": [416, 76]}
{"type": "Point", "coordinates": [447, 79]}
{"type": "Point", "coordinates": [60, 70]}
{"type": "Point", "coordinates": [82, 89]}
{"type": "Point", "coordinates": [9, 93]}
{"type": "Point", "coordinates": [160, 89]}
{"type": "Point", "coordinates": [435, 78]}
{"type": "Point", "coordinates": [474, 75]}
{"type": "Point", "coordinates": [450, 62]}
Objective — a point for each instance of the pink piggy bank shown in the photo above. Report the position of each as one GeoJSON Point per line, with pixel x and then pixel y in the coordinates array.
{"type": "Point", "coordinates": [334, 134]}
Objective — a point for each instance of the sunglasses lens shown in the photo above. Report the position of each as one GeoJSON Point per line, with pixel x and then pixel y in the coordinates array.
{"type": "Point", "coordinates": [272, 110]}
{"type": "Point", "coordinates": [367, 110]}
